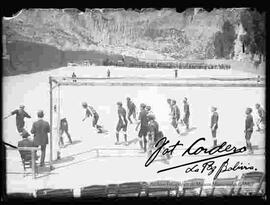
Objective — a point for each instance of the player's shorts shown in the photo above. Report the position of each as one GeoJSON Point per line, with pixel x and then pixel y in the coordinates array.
{"type": "Point", "coordinates": [248, 135]}
{"type": "Point", "coordinates": [121, 126]}
{"type": "Point", "coordinates": [174, 122]}
{"type": "Point", "coordinates": [131, 111]}
{"type": "Point", "coordinates": [143, 131]}
{"type": "Point", "coordinates": [95, 120]}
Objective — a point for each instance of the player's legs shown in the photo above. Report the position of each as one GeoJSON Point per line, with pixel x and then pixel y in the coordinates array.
{"type": "Point", "coordinates": [248, 143]}
{"type": "Point", "coordinates": [124, 128]}
{"type": "Point", "coordinates": [186, 121]}
{"type": "Point", "coordinates": [68, 135]}
{"type": "Point", "coordinates": [129, 115]}
{"type": "Point", "coordinates": [43, 152]}
{"type": "Point", "coordinates": [144, 134]}
{"type": "Point", "coordinates": [118, 128]}
{"type": "Point", "coordinates": [258, 123]}
{"type": "Point", "coordinates": [140, 139]}
{"type": "Point", "coordinates": [175, 125]}
{"type": "Point", "coordinates": [20, 129]}
{"type": "Point", "coordinates": [61, 141]}
{"type": "Point", "coordinates": [134, 115]}
{"type": "Point", "coordinates": [214, 135]}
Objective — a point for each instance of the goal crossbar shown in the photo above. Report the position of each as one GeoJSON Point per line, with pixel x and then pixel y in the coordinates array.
{"type": "Point", "coordinates": [57, 82]}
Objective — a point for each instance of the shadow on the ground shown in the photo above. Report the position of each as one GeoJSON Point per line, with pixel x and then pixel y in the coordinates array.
{"type": "Point", "coordinates": [133, 141]}
{"type": "Point", "coordinates": [185, 133]}
{"type": "Point", "coordinates": [73, 143]}
{"type": "Point", "coordinates": [191, 129]}
{"type": "Point", "coordinates": [76, 142]}
{"type": "Point", "coordinates": [64, 160]}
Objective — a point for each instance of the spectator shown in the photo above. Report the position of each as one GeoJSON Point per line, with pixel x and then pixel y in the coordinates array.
{"type": "Point", "coordinates": [26, 142]}
{"type": "Point", "coordinates": [40, 129]}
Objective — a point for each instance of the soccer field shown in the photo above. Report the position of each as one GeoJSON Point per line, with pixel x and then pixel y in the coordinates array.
{"type": "Point", "coordinates": [82, 167]}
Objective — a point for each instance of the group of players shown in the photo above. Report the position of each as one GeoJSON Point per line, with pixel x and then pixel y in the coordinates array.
{"type": "Point", "coordinates": [148, 127]}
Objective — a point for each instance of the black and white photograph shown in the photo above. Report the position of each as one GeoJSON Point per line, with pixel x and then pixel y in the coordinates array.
{"type": "Point", "coordinates": [118, 103]}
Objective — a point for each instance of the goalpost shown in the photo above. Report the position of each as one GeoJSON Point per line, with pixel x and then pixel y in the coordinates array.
{"type": "Point", "coordinates": [55, 84]}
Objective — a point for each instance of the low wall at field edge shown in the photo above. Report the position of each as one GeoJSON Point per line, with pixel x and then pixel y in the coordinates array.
{"type": "Point", "coordinates": [27, 57]}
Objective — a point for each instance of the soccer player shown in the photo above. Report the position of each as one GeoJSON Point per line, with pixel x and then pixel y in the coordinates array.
{"type": "Point", "coordinates": [74, 77]}
{"type": "Point", "coordinates": [131, 109]}
{"type": "Point", "coordinates": [175, 116]}
{"type": "Point", "coordinates": [90, 111]}
{"type": "Point", "coordinates": [64, 128]}
{"type": "Point", "coordinates": [261, 114]}
{"type": "Point", "coordinates": [186, 113]}
{"type": "Point", "coordinates": [108, 73]}
{"type": "Point", "coordinates": [214, 125]}
{"type": "Point", "coordinates": [153, 129]}
{"type": "Point", "coordinates": [169, 101]}
{"type": "Point", "coordinates": [249, 129]}
{"type": "Point", "coordinates": [143, 123]}
{"type": "Point", "coordinates": [122, 123]}
{"type": "Point", "coordinates": [154, 135]}
{"type": "Point", "coordinates": [175, 73]}
{"type": "Point", "coordinates": [20, 115]}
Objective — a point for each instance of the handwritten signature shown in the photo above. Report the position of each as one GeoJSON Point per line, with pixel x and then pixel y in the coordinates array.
{"type": "Point", "coordinates": [209, 165]}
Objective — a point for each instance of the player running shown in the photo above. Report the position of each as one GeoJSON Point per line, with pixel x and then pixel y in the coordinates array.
{"type": "Point", "coordinates": [249, 129]}
{"type": "Point", "coordinates": [122, 123]}
{"type": "Point", "coordinates": [186, 113]}
{"type": "Point", "coordinates": [175, 116]}
{"type": "Point", "coordinates": [143, 123]}
{"type": "Point", "coordinates": [131, 109]}
{"type": "Point", "coordinates": [90, 111]}
{"type": "Point", "coordinates": [214, 125]}
{"type": "Point", "coordinates": [261, 120]}
{"type": "Point", "coordinates": [20, 115]}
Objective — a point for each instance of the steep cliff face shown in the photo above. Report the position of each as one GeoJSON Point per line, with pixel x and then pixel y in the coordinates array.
{"type": "Point", "coordinates": [155, 34]}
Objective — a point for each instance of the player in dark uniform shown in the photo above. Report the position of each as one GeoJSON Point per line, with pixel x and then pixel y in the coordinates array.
{"type": "Point", "coordinates": [153, 129]}
{"type": "Point", "coordinates": [122, 123]}
{"type": "Point", "coordinates": [74, 77]}
{"type": "Point", "coordinates": [214, 125]}
{"type": "Point", "coordinates": [169, 101]}
{"type": "Point", "coordinates": [90, 111]}
{"type": "Point", "coordinates": [64, 128]}
{"type": "Point", "coordinates": [175, 116]}
{"type": "Point", "coordinates": [249, 129]}
{"type": "Point", "coordinates": [108, 73]}
{"type": "Point", "coordinates": [186, 113]}
{"type": "Point", "coordinates": [143, 123]}
{"type": "Point", "coordinates": [261, 120]}
{"type": "Point", "coordinates": [20, 115]}
{"type": "Point", "coordinates": [175, 73]}
{"type": "Point", "coordinates": [154, 135]}
{"type": "Point", "coordinates": [131, 109]}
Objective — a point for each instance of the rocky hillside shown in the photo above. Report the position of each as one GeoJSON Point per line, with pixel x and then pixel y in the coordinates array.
{"type": "Point", "coordinates": [147, 33]}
